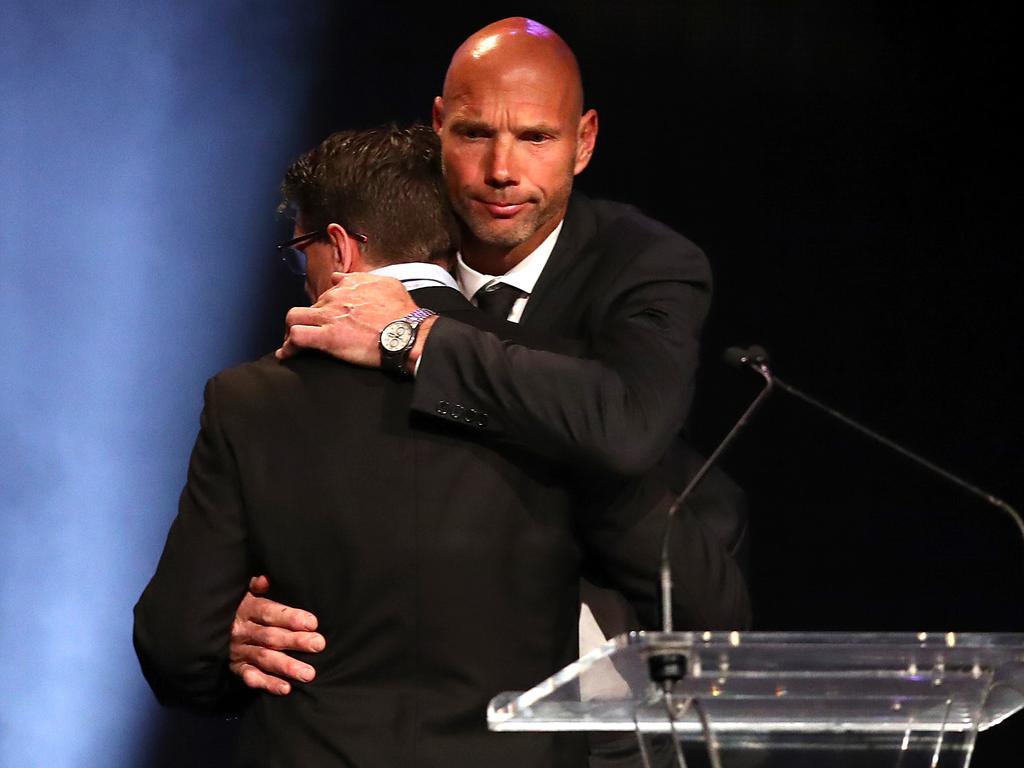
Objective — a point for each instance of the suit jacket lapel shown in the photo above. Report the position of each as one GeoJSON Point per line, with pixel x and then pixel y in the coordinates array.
{"type": "Point", "coordinates": [578, 229]}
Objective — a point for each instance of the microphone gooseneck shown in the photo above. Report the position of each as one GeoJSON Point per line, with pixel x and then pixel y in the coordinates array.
{"type": "Point", "coordinates": [756, 358]}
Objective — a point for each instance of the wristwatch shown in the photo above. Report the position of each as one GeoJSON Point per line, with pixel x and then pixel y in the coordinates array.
{"type": "Point", "coordinates": [397, 340]}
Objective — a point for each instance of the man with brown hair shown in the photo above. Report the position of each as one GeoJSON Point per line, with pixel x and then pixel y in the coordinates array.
{"type": "Point", "coordinates": [391, 531]}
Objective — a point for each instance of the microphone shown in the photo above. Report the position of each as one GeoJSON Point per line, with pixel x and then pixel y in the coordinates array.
{"type": "Point", "coordinates": [668, 668]}
{"type": "Point", "coordinates": [737, 357]}
{"type": "Point", "coordinates": [756, 358]}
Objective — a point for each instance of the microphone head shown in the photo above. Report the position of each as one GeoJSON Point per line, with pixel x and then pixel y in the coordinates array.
{"type": "Point", "coordinates": [735, 356]}
{"type": "Point", "coordinates": [738, 357]}
{"type": "Point", "coordinates": [757, 354]}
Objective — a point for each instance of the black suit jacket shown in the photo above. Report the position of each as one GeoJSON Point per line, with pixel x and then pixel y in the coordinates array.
{"type": "Point", "coordinates": [443, 571]}
{"type": "Point", "coordinates": [635, 294]}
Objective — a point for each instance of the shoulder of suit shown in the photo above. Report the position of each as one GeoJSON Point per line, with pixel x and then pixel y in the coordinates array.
{"type": "Point", "coordinates": [621, 220]}
{"type": "Point", "coordinates": [625, 241]}
{"type": "Point", "coordinates": [270, 375]}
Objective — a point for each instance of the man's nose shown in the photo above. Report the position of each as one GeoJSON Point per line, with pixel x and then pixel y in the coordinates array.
{"type": "Point", "coordinates": [500, 171]}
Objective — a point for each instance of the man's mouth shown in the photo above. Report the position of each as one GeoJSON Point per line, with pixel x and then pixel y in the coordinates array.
{"type": "Point", "coordinates": [502, 210]}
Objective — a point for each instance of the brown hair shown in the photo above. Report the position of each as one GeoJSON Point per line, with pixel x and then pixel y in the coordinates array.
{"type": "Point", "coordinates": [383, 182]}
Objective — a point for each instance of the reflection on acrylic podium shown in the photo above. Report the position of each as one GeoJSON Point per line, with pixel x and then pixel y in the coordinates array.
{"type": "Point", "coordinates": [785, 700]}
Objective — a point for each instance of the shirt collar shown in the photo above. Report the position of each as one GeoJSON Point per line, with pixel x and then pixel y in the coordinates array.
{"type": "Point", "coordinates": [523, 275]}
{"type": "Point", "coordinates": [418, 274]}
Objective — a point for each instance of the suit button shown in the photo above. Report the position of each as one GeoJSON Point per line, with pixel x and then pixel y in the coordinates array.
{"type": "Point", "coordinates": [457, 411]}
{"type": "Point", "coordinates": [481, 419]}
{"type": "Point", "coordinates": [471, 416]}
{"type": "Point", "coordinates": [442, 408]}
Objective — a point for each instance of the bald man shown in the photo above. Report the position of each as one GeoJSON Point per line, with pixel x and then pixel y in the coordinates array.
{"type": "Point", "coordinates": [514, 135]}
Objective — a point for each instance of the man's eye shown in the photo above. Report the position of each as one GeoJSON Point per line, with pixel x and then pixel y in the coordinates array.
{"type": "Point", "coordinates": [534, 137]}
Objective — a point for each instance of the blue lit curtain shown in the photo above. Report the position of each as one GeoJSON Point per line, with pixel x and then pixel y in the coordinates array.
{"type": "Point", "coordinates": [142, 144]}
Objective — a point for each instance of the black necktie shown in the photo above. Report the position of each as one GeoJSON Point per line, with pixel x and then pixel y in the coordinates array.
{"type": "Point", "coordinates": [496, 299]}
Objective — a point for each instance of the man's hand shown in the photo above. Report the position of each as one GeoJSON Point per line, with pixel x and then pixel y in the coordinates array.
{"type": "Point", "coordinates": [262, 629]}
{"type": "Point", "coordinates": [347, 319]}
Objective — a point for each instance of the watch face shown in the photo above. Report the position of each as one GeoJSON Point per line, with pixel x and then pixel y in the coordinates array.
{"type": "Point", "coordinates": [396, 336]}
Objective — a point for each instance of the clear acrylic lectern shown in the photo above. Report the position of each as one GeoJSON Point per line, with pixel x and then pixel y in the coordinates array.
{"type": "Point", "coordinates": [789, 699]}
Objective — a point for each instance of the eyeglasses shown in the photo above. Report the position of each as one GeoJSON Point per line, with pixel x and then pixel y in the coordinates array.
{"type": "Point", "coordinates": [295, 257]}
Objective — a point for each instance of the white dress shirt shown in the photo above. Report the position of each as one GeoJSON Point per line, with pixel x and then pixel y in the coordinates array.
{"type": "Point", "coordinates": [418, 274]}
{"type": "Point", "coordinates": [523, 275]}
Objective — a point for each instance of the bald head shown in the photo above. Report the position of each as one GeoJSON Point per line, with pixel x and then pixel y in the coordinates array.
{"type": "Point", "coordinates": [512, 47]}
{"type": "Point", "coordinates": [513, 136]}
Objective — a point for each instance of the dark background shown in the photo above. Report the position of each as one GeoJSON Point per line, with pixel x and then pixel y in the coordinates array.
{"type": "Point", "coordinates": [847, 168]}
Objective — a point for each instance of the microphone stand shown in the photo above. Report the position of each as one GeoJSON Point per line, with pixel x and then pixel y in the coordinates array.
{"type": "Point", "coordinates": [666, 669]}
{"type": "Point", "coordinates": [665, 570]}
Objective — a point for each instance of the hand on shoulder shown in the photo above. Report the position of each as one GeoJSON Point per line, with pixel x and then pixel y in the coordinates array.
{"type": "Point", "coordinates": [347, 319]}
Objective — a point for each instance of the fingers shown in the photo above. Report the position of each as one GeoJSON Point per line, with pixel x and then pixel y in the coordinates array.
{"type": "Point", "coordinates": [269, 663]}
{"type": "Point", "coordinates": [303, 337]}
{"type": "Point", "coordinates": [261, 631]}
{"type": "Point", "coordinates": [303, 316]}
{"type": "Point", "coordinates": [261, 610]}
{"type": "Point", "coordinates": [307, 337]}
{"type": "Point", "coordinates": [287, 349]}
{"type": "Point", "coordinates": [259, 681]}
{"type": "Point", "coordinates": [306, 328]}
{"type": "Point", "coordinates": [275, 638]}
{"type": "Point", "coordinates": [297, 317]}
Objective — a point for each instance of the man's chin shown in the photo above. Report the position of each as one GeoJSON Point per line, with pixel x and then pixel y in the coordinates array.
{"type": "Point", "coordinates": [502, 233]}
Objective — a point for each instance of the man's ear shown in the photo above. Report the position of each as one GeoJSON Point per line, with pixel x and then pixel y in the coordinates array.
{"type": "Point", "coordinates": [437, 114]}
{"type": "Point", "coordinates": [586, 137]}
{"type": "Point", "coordinates": [344, 250]}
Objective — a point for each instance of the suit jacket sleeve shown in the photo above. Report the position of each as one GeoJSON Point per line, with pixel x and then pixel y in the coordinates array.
{"type": "Point", "coordinates": [641, 306]}
{"type": "Point", "coordinates": [183, 618]}
{"type": "Point", "coordinates": [623, 529]}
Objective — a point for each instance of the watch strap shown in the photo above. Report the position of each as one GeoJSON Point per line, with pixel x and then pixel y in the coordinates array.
{"type": "Point", "coordinates": [418, 315]}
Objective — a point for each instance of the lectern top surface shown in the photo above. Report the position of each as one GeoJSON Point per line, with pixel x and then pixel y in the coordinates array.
{"type": "Point", "coordinates": [802, 682]}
